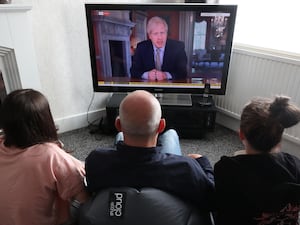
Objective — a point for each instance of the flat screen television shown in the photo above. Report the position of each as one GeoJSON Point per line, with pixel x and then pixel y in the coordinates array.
{"type": "Point", "coordinates": [205, 32]}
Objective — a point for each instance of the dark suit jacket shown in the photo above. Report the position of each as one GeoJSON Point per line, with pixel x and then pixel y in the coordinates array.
{"type": "Point", "coordinates": [174, 60]}
{"type": "Point", "coordinates": [190, 179]}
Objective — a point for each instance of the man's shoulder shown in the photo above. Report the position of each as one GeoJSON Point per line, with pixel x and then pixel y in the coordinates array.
{"type": "Point", "coordinates": [173, 42]}
{"type": "Point", "coordinates": [185, 160]}
{"type": "Point", "coordinates": [145, 43]}
{"type": "Point", "coordinates": [101, 152]}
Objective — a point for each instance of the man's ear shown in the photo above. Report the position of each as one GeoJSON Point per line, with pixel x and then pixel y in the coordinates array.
{"type": "Point", "coordinates": [118, 124]}
{"type": "Point", "coordinates": [161, 126]}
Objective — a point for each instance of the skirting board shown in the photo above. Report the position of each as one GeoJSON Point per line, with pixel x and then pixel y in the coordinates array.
{"type": "Point", "coordinates": [233, 123]}
{"type": "Point", "coordinates": [79, 120]}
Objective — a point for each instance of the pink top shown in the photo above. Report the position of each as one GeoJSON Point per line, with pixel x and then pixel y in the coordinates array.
{"type": "Point", "coordinates": [37, 183]}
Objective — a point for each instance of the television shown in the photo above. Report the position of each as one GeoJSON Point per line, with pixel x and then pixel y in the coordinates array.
{"type": "Point", "coordinates": [116, 30]}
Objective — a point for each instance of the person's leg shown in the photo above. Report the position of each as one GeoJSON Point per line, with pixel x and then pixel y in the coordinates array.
{"type": "Point", "coordinates": [169, 141]}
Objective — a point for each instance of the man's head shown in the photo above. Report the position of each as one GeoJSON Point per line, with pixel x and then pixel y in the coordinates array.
{"type": "Point", "coordinates": [157, 30]}
{"type": "Point", "coordinates": [140, 119]}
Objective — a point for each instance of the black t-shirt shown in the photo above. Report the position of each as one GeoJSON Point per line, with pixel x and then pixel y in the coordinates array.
{"type": "Point", "coordinates": [258, 189]}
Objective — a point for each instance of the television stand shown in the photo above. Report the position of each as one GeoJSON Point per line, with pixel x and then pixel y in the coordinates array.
{"type": "Point", "coordinates": [174, 99]}
{"type": "Point", "coordinates": [191, 121]}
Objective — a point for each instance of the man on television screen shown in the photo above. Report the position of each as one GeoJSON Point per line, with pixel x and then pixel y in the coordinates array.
{"type": "Point", "coordinates": [159, 58]}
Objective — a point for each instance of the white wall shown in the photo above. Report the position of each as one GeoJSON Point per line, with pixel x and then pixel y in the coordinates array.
{"type": "Point", "coordinates": [62, 52]}
{"type": "Point", "coordinates": [268, 24]}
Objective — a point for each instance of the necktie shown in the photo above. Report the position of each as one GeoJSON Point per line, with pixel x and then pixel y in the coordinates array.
{"type": "Point", "coordinates": [157, 59]}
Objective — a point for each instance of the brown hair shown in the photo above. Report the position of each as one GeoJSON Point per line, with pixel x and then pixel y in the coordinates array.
{"type": "Point", "coordinates": [263, 121]}
{"type": "Point", "coordinates": [26, 119]}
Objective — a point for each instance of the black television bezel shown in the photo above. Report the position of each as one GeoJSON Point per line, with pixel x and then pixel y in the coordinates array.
{"type": "Point", "coordinates": [232, 9]}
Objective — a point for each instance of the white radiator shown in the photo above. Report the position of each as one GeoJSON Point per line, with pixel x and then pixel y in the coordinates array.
{"type": "Point", "coordinates": [256, 72]}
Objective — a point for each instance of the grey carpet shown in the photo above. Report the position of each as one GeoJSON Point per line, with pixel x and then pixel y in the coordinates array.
{"type": "Point", "coordinates": [214, 144]}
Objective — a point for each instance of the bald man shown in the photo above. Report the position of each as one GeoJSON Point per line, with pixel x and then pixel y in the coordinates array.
{"type": "Point", "coordinates": [140, 116]}
{"type": "Point", "coordinates": [146, 159]}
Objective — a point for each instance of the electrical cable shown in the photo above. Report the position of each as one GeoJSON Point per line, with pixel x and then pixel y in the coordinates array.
{"type": "Point", "coordinates": [91, 124]}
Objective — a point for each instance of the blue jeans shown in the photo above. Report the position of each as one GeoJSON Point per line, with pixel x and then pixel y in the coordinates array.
{"type": "Point", "coordinates": [169, 141]}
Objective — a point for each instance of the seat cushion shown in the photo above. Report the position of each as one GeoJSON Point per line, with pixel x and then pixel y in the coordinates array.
{"type": "Point", "coordinates": [147, 206]}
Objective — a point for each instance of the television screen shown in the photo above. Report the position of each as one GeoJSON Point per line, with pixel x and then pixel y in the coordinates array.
{"type": "Point", "coordinates": [162, 48]}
